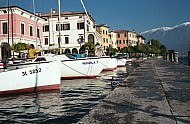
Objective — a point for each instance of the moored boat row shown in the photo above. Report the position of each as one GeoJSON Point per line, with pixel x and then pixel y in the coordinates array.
{"type": "Point", "coordinates": [44, 72]}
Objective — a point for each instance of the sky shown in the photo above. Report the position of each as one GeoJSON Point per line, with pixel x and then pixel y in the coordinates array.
{"type": "Point", "coordinates": [138, 15]}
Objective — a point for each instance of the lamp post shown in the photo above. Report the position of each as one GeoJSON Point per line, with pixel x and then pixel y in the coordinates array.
{"type": "Point", "coordinates": [8, 19]}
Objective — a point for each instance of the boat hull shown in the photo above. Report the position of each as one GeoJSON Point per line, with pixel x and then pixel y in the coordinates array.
{"type": "Point", "coordinates": [81, 68]}
{"type": "Point", "coordinates": [109, 64]}
{"type": "Point", "coordinates": [37, 77]}
{"type": "Point", "coordinates": [121, 62]}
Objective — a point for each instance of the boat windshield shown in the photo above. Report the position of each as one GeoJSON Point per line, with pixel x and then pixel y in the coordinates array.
{"type": "Point", "coordinates": [71, 56]}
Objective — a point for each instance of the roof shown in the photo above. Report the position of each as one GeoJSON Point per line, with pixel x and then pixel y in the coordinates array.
{"type": "Point", "coordinates": [120, 31]}
{"type": "Point", "coordinates": [66, 14]}
{"type": "Point", "coordinates": [5, 7]}
{"type": "Point", "coordinates": [102, 25]}
{"type": "Point", "coordinates": [141, 36]}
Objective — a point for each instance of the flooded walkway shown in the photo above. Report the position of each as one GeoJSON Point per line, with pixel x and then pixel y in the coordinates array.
{"type": "Point", "coordinates": [158, 92]}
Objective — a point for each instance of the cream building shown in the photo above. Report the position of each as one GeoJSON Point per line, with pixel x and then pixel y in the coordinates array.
{"type": "Point", "coordinates": [141, 39]}
{"type": "Point", "coordinates": [113, 39]}
{"type": "Point", "coordinates": [132, 38]}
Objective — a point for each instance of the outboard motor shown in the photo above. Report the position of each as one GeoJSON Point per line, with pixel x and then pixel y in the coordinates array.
{"type": "Point", "coordinates": [5, 52]}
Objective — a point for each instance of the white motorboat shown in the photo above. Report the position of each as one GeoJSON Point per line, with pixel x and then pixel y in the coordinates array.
{"type": "Point", "coordinates": [36, 77]}
{"type": "Point", "coordinates": [109, 63]}
{"type": "Point", "coordinates": [122, 59]}
{"type": "Point", "coordinates": [121, 62]}
{"type": "Point", "coordinates": [75, 68]}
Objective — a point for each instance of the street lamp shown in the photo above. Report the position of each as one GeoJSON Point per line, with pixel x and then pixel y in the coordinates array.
{"type": "Point", "coordinates": [80, 40]}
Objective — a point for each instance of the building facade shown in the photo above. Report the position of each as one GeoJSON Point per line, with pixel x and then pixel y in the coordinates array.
{"type": "Point", "coordinates": [132, 38]}
{"type": "Point", "coordinates": [76, 28]}
{"type": "Point", "coordinates": [68, 32]}
{"type": "Point", "coordinates": [126, 38]}
{"type": "Point", "coordinates": [113, 39]}
{"type": "Point", "coordinates": [141, 39]}
{"type": "Point", "coordinates": [19, 25]}
{"type": "Point", "coordinates": [121, 39]}
{"type": "Point", "coordinates": [103, 30]}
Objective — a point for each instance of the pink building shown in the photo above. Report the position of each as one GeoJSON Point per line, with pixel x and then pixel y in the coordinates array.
{"type": "Point", "coordinates": [23, 26]}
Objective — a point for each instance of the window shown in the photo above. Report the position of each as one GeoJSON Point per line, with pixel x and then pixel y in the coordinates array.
{"type": "Point", "coordinates": [57, 27]}
{"type": "Point", "coordinates": [66, 27]}
{"type": "Point", "coordinates": [104, 40]}
{"type": "Point", "coordinates": [66, 40]}
{"type": "Point", "coordinates": [4, 11]}
{"type": "Point", "coordinates": [45, 28]}
{"type": "Point", "coordinates": [125, 35]}
{"type": "Point", "coordinates": [22, 28]}
{"type": "Point", "coordinates": [118, 35]}
{"type": "Point", "coordinates": [103, 32]}
{"type": "Point", "coordinates": [38, 32]}
{"type": "Point", "coordinates": [80, 25]}
{"type": "Point", "coordinates": [46, 41]}
{"type": "Point", "coordinates": [63, 27]}
{"type": "Point", "coordinates": [5, 28]}
{"type": "Point", "coordinates": [87, 27]}
{"type": "Point", "coordinates": [123, 41]}
{"type": "Point", "coordinates": [31, 31]}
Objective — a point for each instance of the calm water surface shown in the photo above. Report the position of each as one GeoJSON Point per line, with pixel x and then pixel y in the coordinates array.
{"type": "Point", "coordinates": [68, 105]}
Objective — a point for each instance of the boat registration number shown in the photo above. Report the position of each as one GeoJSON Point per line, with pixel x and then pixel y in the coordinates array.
{"type": "Point", "coordinates": [33, 71]}
{"type": "Point", "coordinates": [93, 62]}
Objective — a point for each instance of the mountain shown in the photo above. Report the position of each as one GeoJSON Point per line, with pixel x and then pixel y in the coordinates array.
{"type": "Point", "coordinates": [176, 38]}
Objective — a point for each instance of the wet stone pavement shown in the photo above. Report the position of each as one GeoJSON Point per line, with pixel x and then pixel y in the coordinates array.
{"type": "Point", "coordinates": [157, 92]}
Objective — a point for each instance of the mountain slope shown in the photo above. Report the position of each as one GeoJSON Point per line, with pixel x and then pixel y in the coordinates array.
{"type": "Point", "coordinates": [177, 37]}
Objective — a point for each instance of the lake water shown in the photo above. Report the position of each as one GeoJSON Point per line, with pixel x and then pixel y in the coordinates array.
{"type": "Point", "coordinates": [183, 61]}
{"type": "Point", "coordinates": [68, 105]}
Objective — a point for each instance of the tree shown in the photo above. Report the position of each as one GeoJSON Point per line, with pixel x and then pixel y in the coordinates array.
{"type": "Point", "coordinates": [128, 50]}
{"type": "Point", "coordinates": [20, 46]}
{"type": "Point", "coordinates": [111, 51]}
{"type": "Point", "coordinates": [88, 46]}
{"type": "Point", "coordinates": [163, 50]}
{"type": "Point", "coordinates": [154, 43]}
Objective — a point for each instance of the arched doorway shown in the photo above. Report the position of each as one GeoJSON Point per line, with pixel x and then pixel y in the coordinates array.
{"type": "Point", "coordinates": [74, 51]}
{"type": "Point", "coordinates": [91, 38]}
{"type": "Point", "coordinates": [67, 51]}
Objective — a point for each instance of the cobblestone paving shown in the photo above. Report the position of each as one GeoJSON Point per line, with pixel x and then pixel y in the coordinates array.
{"type": "Point", "coordinates": [157, 92]}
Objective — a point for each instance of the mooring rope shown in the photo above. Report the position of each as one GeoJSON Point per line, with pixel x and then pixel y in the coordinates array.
{"type": "Point", "coordinates": [75, 69]}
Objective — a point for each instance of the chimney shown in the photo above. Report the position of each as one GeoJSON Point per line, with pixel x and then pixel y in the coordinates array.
{"type": "Point", "coordinates": [38, 13]}
{"type": "Point", "coordinates": [53, 10]}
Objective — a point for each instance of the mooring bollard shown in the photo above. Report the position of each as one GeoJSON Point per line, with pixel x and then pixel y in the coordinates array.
{"type": "Point", "coordinates": [188, 58]}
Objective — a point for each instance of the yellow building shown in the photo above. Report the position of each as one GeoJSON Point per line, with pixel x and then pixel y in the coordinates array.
{"type": "Point", "coordinates": [103, 29]}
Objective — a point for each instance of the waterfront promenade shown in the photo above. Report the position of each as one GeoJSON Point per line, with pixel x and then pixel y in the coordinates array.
{"type": "Point", "coordinates": [157, 92]}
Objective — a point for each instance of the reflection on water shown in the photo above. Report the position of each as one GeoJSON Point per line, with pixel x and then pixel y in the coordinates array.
{"type": "Point", "coordinates": [75, 99]}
